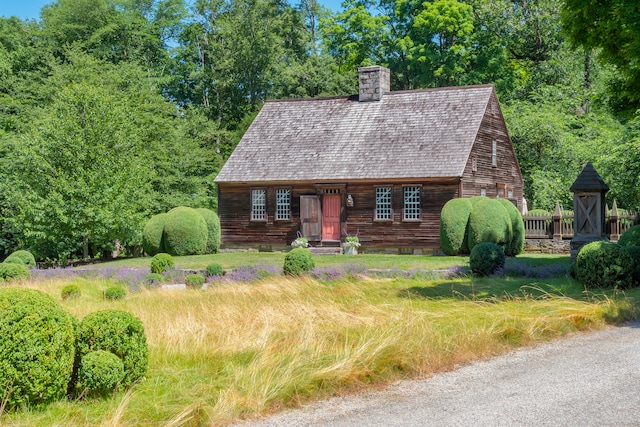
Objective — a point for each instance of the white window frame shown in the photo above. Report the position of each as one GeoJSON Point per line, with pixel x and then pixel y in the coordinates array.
{"type": "Point", "coordinates": [283, 204]}
{"type": "Point", "coordinates": [384, 203]}
{"type": "Point", "coordinates": [258, 204]}
{"type": "Point", "coordinates": [412, 204]}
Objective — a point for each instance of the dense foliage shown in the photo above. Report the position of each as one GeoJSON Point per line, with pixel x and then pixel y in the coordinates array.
{"type": "Point", "coordinates": [100, 372]}
{"type": "Point", "coordinates": [453, 226]}
{"type": "Point", "coordinates": [36, 348]}
{"type": "Point", "coordinates": [23, 257]}
{"type": "Point", "coordinates": [213, 229]}
{"type": "Point", "coordinates": [152, 235]}
{"type": "Point", "coordinates": [70, 291]}
{"type": "Point", "coordinates": [489, 221]}
{"type": "Point", "coordinates": [120, 333]}
{"type": "Point", "coordinates": [631, 237]}
{"type": "Point", "coordinates": [174, 84]}
{"type": "Point", "coordinates": [214, 269]}
{"type": "Point", "coordinates": [185, 232]}
{"type": "Point", "coordinates": [161, 262]}
{"type": "Point", "coordinates": [516, 245]}
{"type": "Point", "coordinates": [298, 261]}
{"type": "Point", "coordinates": [486, 258]}
{"type": "Point", "coordinates": [115, 292]}
{"type": "Point", "coordinates": [604, 264]}
{"type": "Point", "coordinates": [194, 281]}
{"type": "Point", "coordinates": [12, 271]}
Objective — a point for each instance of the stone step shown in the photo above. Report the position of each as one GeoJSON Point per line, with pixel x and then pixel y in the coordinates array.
{"type": "Point", "coordinates": [325, 250]}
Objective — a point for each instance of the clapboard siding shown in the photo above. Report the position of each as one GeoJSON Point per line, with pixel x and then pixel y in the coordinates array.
{"type": "Point", "coordinates": [238, 229]}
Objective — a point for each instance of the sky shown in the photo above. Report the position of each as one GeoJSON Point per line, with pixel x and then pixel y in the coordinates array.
{"type": "Point", "coordinates": [30, 9]}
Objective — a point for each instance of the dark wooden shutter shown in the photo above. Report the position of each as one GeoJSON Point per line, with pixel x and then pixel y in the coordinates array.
{"type": "Point", "coordinates": [310, 217]}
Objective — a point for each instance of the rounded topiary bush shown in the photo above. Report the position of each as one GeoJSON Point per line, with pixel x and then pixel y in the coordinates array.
{"type": "Point", "coordinates": [36, 348]}
{"type": "Point", "coordinates": [100, 372]}
{"type": "Point", "coordinates": [486, 258]}
{"type": "Point", "coordinates": [120, 333]}
{"type": "Point", "coordinates": [161, 263]}
{"type": "Point", "coordinates": [489, 222]}
{"type": "Point", "coordinates": [516, 245]}
{"type": "Point", "coordinates": [634, 252]}
{"type": "Point", "coordinates": [631, 237]}
{"type": "Point", "coordinates": [214, 269]}
{"type": "Point", "coordinates": [453, 226]}
{"type": "Point", "coordinates": [115, 292]}
{"type": "Point", "coordinates": [70, 292]}
{"type": "Point", "coordinates": [185, 232]}
{"type": "Point", "coordinates": [604, 264]}
{"type": "Point", "coordinates": [194, 280]}
{"type": "Point", "coordinates": [10, 271]}
{"type": "Point", "coordinates": [298, 261]}
{"type": "Point", "coordinates": [213, 229]}
{"type": "Point", "coordinates": [152, 242]}
{"type": "Point", "coordinates": [153, 279]}
{"type": "Point", "coordinates": [23, 257]}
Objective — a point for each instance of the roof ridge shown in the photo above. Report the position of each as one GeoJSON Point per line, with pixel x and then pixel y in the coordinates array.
{"type": "Point", "coordinates": [390, 93]}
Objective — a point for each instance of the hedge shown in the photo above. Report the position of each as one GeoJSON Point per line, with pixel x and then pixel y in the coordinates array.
{"type": "Point", "coordinates": [454, 220]}
{"type": "Point", "coordinates": [516, 245]}
{"type": "Point", "coordinates": [213, 229]}
{"type": "Point", "coordinates": [152, 242]}
{"type": "Point", "coordinates": [489, 222]}
{"type": "Point", "coordinates": [185, 232]}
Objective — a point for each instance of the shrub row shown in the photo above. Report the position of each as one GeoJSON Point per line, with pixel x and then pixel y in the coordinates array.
{"type": "Point", "coordinates": [465, 223]}
{"type": "Point", "coordinates": [16, 266]}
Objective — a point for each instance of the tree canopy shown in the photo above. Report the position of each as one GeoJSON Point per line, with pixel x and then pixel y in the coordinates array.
{"type": "Point", "coordinates": [112, 111]}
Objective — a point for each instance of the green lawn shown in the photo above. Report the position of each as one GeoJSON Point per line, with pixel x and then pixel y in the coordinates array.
{"type": "Point", "coordinates": [239, 350]}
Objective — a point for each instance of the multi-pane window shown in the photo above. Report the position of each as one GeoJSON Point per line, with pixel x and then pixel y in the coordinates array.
{"type": "Point", "coordinates": [383, 203]}
{"type": "Point", "coordinates": [412, 202]}
{"type": "Point", "coordinates": [283, 204]}
{"type": "Point", "coordinates": [259, 204]}
{"type": "Point", "coordinates": [494, 153]}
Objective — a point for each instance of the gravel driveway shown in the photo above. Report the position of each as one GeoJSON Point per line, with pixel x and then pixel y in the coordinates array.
{"type": "Point", "coordinates": [585, 380]}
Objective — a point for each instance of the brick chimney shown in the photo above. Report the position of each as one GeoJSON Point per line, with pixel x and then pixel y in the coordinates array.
{"type": "Point", "coordinates": [374, 81]}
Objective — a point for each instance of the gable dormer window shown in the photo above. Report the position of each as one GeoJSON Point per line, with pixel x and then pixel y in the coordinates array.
{"type": "Point", "coordinates": [258, 204]}
{"type": "Point", "coordinates": [494, 153]}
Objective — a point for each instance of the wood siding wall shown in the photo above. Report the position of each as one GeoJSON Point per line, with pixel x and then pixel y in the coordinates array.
{"type": "Point", "coordinates": [238, 230]}
{"type": "Point", "coordinates": [485, 175]}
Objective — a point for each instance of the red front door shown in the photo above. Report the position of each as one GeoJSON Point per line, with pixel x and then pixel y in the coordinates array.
{"type": "Point", "coordinates": [331, 205]}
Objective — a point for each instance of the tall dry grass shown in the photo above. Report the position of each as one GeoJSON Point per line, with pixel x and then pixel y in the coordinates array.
{"type": "Point", "coordinates": [241, 350]}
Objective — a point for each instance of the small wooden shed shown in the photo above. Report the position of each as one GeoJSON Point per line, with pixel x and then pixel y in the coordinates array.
{"type": "Point", "coordinates": [379, 164]}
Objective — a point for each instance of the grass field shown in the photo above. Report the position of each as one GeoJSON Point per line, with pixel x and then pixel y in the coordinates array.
{"type": "Point", "coordinates": [245, 349]}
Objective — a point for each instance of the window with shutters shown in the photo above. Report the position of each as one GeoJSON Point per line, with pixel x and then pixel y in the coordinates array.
{"type": "Point", "coordinates": [383, 204]}
{"type": "Point", "coordinates": [411, 210]}
{"type": "Point", "coordinates": [283, 204]}
{"type": "Point", "coordinates": [258, 204]}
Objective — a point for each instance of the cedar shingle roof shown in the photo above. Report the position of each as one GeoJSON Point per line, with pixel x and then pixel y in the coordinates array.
{"type": "Point", "coordinates": [408, 134]}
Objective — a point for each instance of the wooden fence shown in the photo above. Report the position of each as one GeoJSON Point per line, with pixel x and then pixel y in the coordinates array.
{"type": "Point", "coordinates": [560, 225]}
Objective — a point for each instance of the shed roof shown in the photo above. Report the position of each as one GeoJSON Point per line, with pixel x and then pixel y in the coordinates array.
{"type": "Point", "coordinates": [408, 134]}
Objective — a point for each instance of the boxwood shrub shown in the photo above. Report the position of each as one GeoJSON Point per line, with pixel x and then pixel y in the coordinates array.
{"type": "Point", "coordinates": [631, 237]}
{"type": "Point", "coordinates": [120, 333]}
{"type": "Point", "coordinates": [486, 258]}
{"type": "Point", "coordinates": [185, 232]}
{"type": "Point", "coordinates": [153, 279]}
{"type": "Point", "coordinates": [516, 245]}
{"type": "Point", "coordinates": [298, 261]}
{"type": "Point", "coordinates": [161, 263]}
{"type": "Point", "coordinates": [213, 229]}
{"type": "Point", "coordinates": [36, 348]}
{"type": "Point", "coordinates": [214, 269]}
{"type": "Point", "coordinates": [70, 292]}
{"type": "Point", "coordinates": [604, 264]}
{"type": "Point", "coordinates": [115, 292]}
{"type": "Point", "coordinates": [11, 271]}
{"type": "Point", "coordinates": [152, 234]}
{"type": "Point", "coordinates": [489, 222]}
{"type": "Point", "coordinates": [100, 372]}
{"type": "Point", "coordinates": [194, 281]}
{"type": "Point", "coordinates": [454, 220]}
{"type": "Point", "coordinates": [21, 257]}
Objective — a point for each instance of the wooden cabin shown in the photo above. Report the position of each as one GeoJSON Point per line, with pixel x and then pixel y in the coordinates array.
{"type": "Point", "coordinates": [380, 164]}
